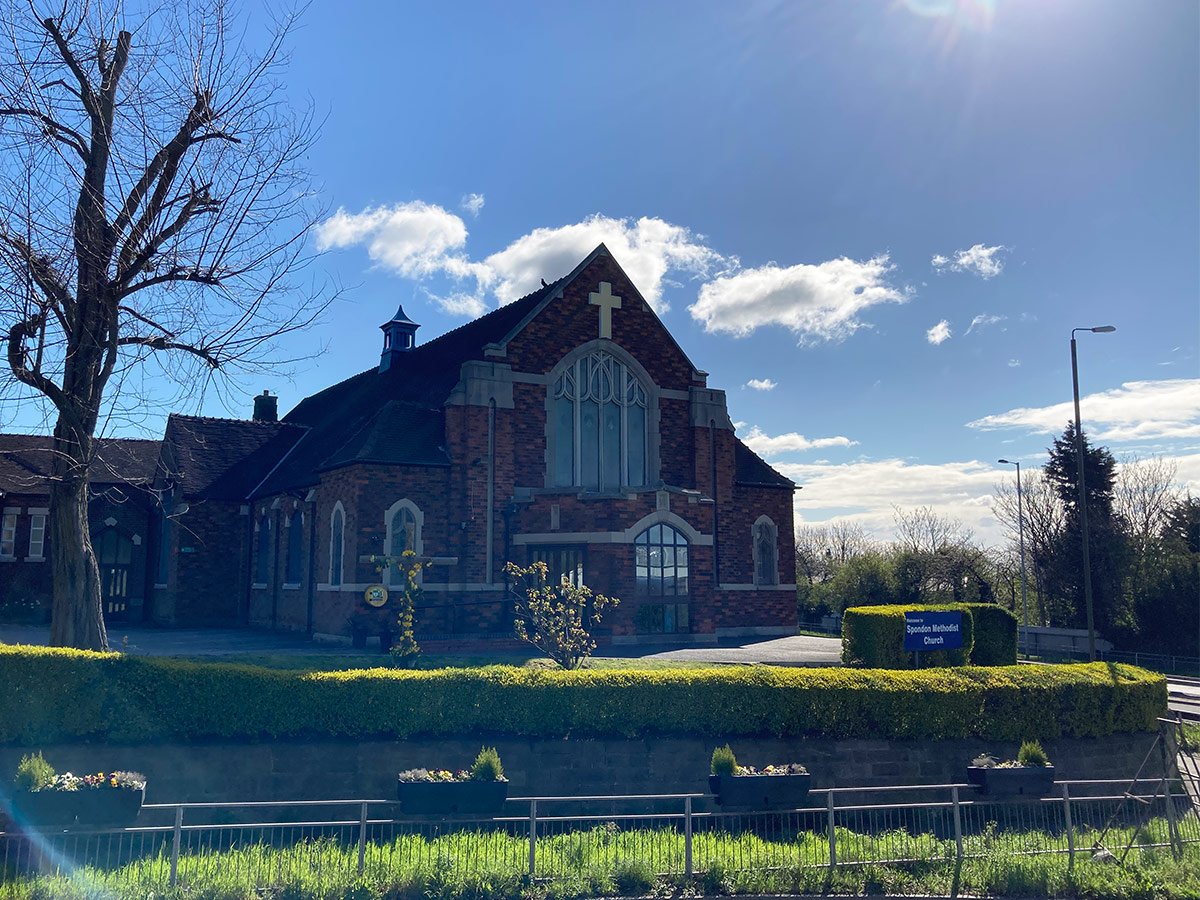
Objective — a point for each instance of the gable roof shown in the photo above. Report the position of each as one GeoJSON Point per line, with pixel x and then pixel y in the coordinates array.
{"type": "Point", "coordinates": [396, 416]}
{"type": "Point", "coordinates": [223, 459]}
{"type": "Point", "coordinates": [27, 461]}
{"type": "Point", "coordinates": [752, 469]}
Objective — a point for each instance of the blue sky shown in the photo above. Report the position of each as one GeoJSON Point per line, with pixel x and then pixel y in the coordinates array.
{"type": "Point", "coordinates": [812, 193]}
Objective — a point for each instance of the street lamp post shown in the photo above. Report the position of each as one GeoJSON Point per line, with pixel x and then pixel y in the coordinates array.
{"type": "Point", "coordinates": [1021, 538]}
{"type": "Point", "coordinates": [1083, 510]}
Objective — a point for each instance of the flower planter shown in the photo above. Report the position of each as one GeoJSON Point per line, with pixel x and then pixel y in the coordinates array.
{"type": "Point", "coordinates": [43, 809]}
{"type": "Point", "coordinates": [114, 807]}
{"type": "Point", "coordinates": [451, 798]}
{"type": "Point", "coordinates": [1012, 781]}
{"type": "Point", "coordinates": [760, 792]}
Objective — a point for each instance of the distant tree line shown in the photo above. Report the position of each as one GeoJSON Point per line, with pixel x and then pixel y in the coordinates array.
{"type": "Point", "coordinates": [1144, 541]}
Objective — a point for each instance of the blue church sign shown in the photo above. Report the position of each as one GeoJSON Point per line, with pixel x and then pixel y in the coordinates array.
{"type": "Point", "coordinates": [933, 630]}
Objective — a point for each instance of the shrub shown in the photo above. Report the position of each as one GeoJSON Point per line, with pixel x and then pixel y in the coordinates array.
{"type": "Point", "coordinates": [873, 636]}
{"type": "Point", "coordinates": [556, 618]}
{"type": "Point", "coordinates": [57, 694]}
{"type": "Point", "coordinates": [995, 631]}
{"type": "Point", "coordinates": [487, 766]}
{"type": "Point", "coordinates": [33, 773]}
{"type": "Point", "coordinates": [1032, 754]}
{"type": "Point", "coordinates": [723, 762]}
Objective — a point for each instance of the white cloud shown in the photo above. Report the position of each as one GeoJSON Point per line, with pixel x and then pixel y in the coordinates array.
{"type": "Point", "coordinates": [982, 321]}
{"type": "Point", "coordinates": [472, 203]}
{"type": "Point", "coordinates": [762, 384]}
{"type": "Point", "coordinates": [460, 304]}
{"type": "Point", "coordinates": [647, 249]}
{"type": "Point", "coordinates": [413, 239]}
{"type": "Point", "coordinates": [1014, 363]}
{"type": "Point", "coordinates": [868, 492]}
{"type": "Point", "coordinates": [938, 333]}
{"type": "Point", "coordinates": [985, 262]}
{"type": "Point", "coordinates": [818, 302]}
{"type": "Point", "coordinates": [792, 442]}
{"type": "Point", "coordinates": [1136, 411]}
{"type": "Point", "coordinates": [420, 240]}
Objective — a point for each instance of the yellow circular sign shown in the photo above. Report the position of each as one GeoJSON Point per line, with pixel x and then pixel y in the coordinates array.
{"type": "Point", "coordinates": [376, 595]}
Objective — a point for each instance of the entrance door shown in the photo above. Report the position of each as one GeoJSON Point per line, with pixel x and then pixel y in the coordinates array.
{"type": "Point", "coordinates": [115, 554]}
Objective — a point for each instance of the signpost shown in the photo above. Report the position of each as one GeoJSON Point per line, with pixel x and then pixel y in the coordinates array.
{"type": "Point", "coordinates": [932, 630]}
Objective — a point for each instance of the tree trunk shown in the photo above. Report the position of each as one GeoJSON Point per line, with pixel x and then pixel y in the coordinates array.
{"type": "Point", "coordinates": [77, 615]}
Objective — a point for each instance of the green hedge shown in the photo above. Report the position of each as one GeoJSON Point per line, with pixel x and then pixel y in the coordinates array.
{"type": "Point", "coordinates": [995, 635]}
{"type": "Point", "coordinates": [873, 636]}
{"type": "Point", "coordinates": [55, 695]}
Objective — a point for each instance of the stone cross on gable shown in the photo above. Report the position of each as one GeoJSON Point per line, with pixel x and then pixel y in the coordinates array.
{"type": "Point", "coordinates": [607, 303]}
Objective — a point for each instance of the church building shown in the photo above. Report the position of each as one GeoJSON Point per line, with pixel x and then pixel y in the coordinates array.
{"type": "Point", "coordinates": [567, 427]}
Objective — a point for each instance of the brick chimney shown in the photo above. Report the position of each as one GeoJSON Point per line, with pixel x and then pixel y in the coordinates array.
{"type": "Point", "coordinates": [266, 407]}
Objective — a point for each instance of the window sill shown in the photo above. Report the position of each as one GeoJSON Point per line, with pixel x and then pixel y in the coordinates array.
{"type": "Point", "coordinates": [292, 587]}
{"type": "Point", "coordinates": [258, 587]}
{"type": "Point", "coordinates": [8, 559]}
{"type": "Point", "coordinates": [35, 559]}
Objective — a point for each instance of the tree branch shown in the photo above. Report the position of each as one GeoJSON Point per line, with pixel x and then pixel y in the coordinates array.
{"type": "Point", "coordinates": [57, 130]}
{"type": "Point", "coordinates": [164, 342]}
{"type": "Point", "coordinates": [18, 360]}
{"type": "Point", "coordinates": [178, 273]}
{"type": "Point", "coordinates": [162, 167]}
{"type": "Point", "coordinates": [86, 94]}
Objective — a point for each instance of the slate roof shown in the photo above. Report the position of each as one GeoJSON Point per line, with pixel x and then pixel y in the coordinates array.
{"type": "Point", "coordinates": [224, 459]}
{"type": "Point", "coordinates": [752, 469]}
{"type": "Point", "coordinates": [26, 461]}
{"type": "Point", "coordinates": [394, 416]}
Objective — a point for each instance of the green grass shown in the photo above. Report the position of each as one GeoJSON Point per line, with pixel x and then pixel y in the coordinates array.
{"type": "Point", "coordinates": [604, 861]}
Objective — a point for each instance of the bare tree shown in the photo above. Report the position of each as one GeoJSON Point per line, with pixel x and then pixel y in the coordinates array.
{"type": "Point", "coordinates": [1143, 496]}
{"type": "Point", "coordinates": [822, 549]}
{"type": "Point", "coordinates": [1045, 518]}
{"type": "Point", "coordinates": [924, 530]}
{"type": "Point", "coordinates": [153, 205]}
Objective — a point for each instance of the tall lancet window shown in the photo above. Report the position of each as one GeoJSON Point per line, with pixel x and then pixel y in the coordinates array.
{"type": "Point", "coordinates": [766, 551]}
{"type": "Point", "coordinates": [600, 414]}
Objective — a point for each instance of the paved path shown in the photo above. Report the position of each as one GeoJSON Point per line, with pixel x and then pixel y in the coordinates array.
{"type": "Point", "coordinates": [789, 651]}
{"type": "Point", "coordinates": [799, 650]}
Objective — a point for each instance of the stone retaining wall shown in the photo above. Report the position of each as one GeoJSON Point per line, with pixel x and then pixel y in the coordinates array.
{"type": "Point", "coordinates": [319, 770]}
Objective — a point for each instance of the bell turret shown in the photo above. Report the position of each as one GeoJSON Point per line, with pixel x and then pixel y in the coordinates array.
{"type": "Point", "coordinates": [399, 336]}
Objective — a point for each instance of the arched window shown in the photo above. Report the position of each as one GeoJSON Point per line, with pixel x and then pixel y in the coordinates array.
{"type": "Point", "coordinates": [295, 548]}
{"type": "Point", "coordinates": [599, 417]}
{"type": "Point", "coordinates": [404, 520]}
{"type": "Point", "coordinates": [262, 559]}
{"type": "Point", "coordinates": [337, 528]}
{"type": "Point", "coordinates": [661, 562]}
{"type": "Point", "coordinates": [766, 551]}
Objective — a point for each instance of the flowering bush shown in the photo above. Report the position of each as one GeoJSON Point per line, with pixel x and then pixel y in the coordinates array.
{"type": "Point", "coordinates": [133, 781]}
{"type": "Point", "coordinates": [774, 769]}
{"type": "Point", "coordinates": [556, 618]}
{"type": "Point", "coordinates": [405, 650]}
{"type": "Point", "coordinates": [487, 767]}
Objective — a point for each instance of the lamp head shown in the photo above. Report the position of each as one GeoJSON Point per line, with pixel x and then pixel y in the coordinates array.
{"type": "Point", "coordinates": [1104, 329]}
{"type": "Point", "coordinates": [1007, 462]}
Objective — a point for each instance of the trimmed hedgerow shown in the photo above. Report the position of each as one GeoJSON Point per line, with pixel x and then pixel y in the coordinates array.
{"type": "Point", "coordinates": [995, 635]}
{"type": "Point", "coordinates": [54, 695]}
{"type": "Point", "coordinates": [874, 636]}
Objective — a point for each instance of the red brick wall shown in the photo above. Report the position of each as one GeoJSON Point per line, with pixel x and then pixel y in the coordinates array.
{"type": "Point", "coordinates": [572, 320]}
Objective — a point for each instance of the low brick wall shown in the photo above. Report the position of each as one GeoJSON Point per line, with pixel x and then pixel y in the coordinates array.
{"type": "Point", "coordinates": [319, 770]}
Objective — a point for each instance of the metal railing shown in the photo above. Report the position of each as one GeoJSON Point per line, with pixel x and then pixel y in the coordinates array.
{"type": "Point", "coordinates": [658, 834]}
